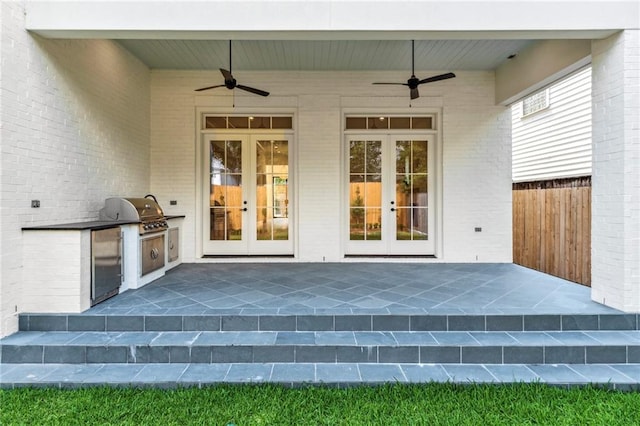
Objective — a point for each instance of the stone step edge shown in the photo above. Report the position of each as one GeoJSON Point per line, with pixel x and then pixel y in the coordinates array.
{"type": "Point", "coordinates": [185, 375]}
{"type": "Point", "coordinates": [444, 354]}
{"type": "Point", "coordinates": [356, 322]}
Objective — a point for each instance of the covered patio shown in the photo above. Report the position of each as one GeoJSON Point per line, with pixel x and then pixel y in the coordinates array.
{"type": "Point", "coordinates": [332, 324]}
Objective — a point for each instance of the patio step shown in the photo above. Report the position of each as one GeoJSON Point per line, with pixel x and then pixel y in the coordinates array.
{"type": "Point", "coordinates": [624, 377]}
{"type": "Point", "coordinates": [342, 322]}
{"type": "Point", "coordinates": [436, 347]}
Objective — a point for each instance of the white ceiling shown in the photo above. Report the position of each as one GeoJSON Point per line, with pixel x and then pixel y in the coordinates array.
{"type": "Point", "coordinates": [325, 55]}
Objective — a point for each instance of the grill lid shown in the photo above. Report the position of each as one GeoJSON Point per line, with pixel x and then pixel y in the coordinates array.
{"type": "Point", "coordinates": [140, 209]}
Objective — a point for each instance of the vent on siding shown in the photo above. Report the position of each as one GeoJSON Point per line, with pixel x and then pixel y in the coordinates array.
{"type": "Point", "coordinates": [535, 103]}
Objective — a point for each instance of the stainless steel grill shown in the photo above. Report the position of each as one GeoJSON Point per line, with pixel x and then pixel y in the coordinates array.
{"type": "Point", "coordinates": [144, 210]}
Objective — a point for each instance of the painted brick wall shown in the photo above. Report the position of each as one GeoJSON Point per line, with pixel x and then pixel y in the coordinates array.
{"type": "Point", "coordinates": [476, 151]}
{"type": "Point", "coordinates": [75, 130]}
{"type": "Point", "coordinates": [616, 171]}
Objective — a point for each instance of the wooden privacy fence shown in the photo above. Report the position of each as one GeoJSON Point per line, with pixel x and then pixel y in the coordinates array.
{"type": "Point", "coordinates": [552, 227]}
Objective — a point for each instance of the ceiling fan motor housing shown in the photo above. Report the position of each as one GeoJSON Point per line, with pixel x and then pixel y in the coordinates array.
{"type": "Point", "coordinates": [230, 83]}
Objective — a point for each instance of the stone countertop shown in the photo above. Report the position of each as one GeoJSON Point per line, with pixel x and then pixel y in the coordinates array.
{"type": "Point", "coordinates": [93, 225]}
{"type": "Point", "coordinates": [81, 226]}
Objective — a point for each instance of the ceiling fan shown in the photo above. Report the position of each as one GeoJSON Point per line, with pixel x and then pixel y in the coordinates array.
{"type": "Point", "coordinates": [231, 83]}
{"type": "Point", "coordinates": [414, 82]}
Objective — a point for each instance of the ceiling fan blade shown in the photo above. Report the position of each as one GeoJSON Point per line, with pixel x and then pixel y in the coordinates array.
{"type": "Point", "coordinates": [226, 74]}
{"type": "Point", "coordinates": [395, 84]}
{"type": "Point", "coordinates": [253, 90]}
{"type": "Point", "coordinates": [210, 87]}
{"type": "Point", "coordinates": [414, 93]}
{"type": "Point", "coordinates": [437, 78]}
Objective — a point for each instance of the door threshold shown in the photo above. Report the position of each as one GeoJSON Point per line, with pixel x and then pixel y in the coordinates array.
{"type": "Point", "coordinates": [246, 256]}
{"type": "Point", "coordinates": [391, 256]}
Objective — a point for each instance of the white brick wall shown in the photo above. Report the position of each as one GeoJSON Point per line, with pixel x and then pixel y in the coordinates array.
{"type": "Point", "coordinates": [75, 130]}
{"type": "Point", "coordinates": [476, 151]}
{"type": "Point", "coordinates": [616, 171]}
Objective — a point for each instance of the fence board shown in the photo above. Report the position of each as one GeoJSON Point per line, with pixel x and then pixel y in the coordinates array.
{"type": "Point", "coordinates": [552, 227]}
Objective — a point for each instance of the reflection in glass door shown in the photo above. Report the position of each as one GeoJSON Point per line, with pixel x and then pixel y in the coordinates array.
{"type": "Point", "coordinates": [412, 190]}
{"type": "Point", "coordinates": [249, 196]}
{"type": "Point", "coordinates": [390, 195]}
{"type": "Point", "coordinates": [272, 190]}
{"type": "Point", "coordinates": [225, 194]}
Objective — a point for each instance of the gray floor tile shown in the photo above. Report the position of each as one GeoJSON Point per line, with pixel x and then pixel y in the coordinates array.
{"type": "Point", "coordinates": [557, 374]}
{"type": "Point", "coordinates": [295, 338]}
{"type": "Point", "coordinates": [414, 338]}
{"type": "Point", "coordinates": [204, 373]}
{"type": "Point", "coordinates": [21, 338]}
{"type": "Point", "coordinates": [176, 338]}
{"type": "Point", "coordinates": [512, 373]}
{"type": "Point", "coordinates": [601, 374]}
{"type": "Point", "coordinates": [381, 373]}
{"type": "Point", "coordinates": [423, 373]}
{"type": "Point", "coordinates": [493, 338]}
{"type": "Point", "coordinates": [534, 338]}
{"type": "Point", "coordinates": [609, 337]}
{"type": "Point", "coordinates": [630, 370]}
{"type": "Point", "coordinates": [337, 373]}
{"type": "Point", "coordinates": [468, 373]}
{"type": "Point", "coordinates": [73, 373]}
{"type": "Point", "coordinates": [155, 373]}
{"type": "Point", "coordinates": [289, 373]}
{"type": "Point", "coordinates": [335, 338]}
{"type": "Point", "coordinates": [115, 373]}
{"type": "Point", "coordinates": [375, 338]}
{"type": "Point", "coordinates": [94, 338]}
{"type": "Point", "coordinates": [454, 338]}
{"type": "Point", "coordinates": [249, 373]}
{"type": "Point", "coordinates": [27, 373]}
{"type": "Point", "coordinates": [217, 338]}
{"type": "Point", "coordinates": [125, 338]}
{"type": "Point", "coordinates": [572, 337]}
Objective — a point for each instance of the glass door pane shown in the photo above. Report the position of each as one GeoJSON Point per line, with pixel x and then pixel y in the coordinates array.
{"type": "Point", "coordinates": [272, 190]}
{"type": "Point", "coordinates": [225, 194]}
{"type": "Point", "coordinates": [365, 190]}
{"type": "Point", "coordinates": [411, 194]}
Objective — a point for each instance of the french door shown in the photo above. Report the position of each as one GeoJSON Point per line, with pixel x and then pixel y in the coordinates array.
{"type": "Point", "coordinates": [391, 194]}
{"type": "Point", "coordinates": [247, 195]}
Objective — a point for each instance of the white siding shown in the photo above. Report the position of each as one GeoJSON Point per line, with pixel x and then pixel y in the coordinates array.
{"type": "Point", "coordinates": [555, 142]}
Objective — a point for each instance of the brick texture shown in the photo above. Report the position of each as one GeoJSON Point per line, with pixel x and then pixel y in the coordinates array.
{"type": "Point", "coordinates": [616, 171]}
{"type": "Point", "coordinates": [475, 145]}
{"type": "Point", "coordinates": [75, 130]}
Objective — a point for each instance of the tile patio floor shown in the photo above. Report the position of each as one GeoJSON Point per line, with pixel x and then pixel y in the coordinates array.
{"type": "Point", "coordinates": [353, 288]}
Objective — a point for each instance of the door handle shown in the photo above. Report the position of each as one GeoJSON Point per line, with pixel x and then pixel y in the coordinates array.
{"type": "Point", "coordinates": [244, 209]}
{"type": "Point", "coordinates": [392, 209]}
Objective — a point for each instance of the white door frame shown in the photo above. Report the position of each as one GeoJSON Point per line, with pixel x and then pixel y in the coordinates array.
{"type": "Point", "coordinates": [201, 164]}
{"type": "Point", "coordinates": [436, 133]}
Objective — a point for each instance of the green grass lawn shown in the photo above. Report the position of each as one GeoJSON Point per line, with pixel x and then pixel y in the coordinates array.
{"type": "Point", "coordinates": [432, 404]}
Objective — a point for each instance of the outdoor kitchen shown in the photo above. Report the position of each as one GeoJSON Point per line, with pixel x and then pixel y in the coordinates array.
{"type": "Point", "coordinates": [73, 266]}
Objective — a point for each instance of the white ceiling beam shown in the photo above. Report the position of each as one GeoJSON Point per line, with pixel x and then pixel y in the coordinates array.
{"type": "Point", "coordinates": [331, 19]}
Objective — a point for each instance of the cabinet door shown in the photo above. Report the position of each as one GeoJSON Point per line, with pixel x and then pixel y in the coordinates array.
{"type": "Point", "coordinates": [106, 264]}
{"type": "Point", "coordinates": [174, 244]}
{"type": "Point", "coordinates": [152, 256]}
